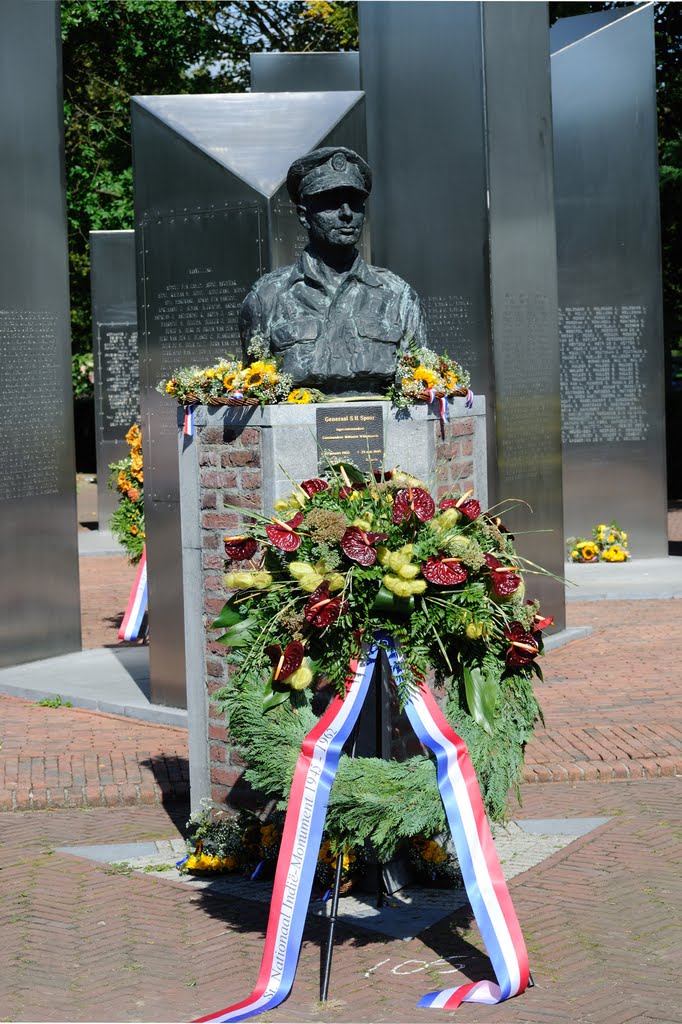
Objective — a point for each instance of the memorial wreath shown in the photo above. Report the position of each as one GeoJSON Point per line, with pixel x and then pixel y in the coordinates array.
{"type": "Point", "coordinates": [353, 559]}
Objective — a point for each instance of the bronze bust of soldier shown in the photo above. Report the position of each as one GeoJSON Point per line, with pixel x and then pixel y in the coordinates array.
{"type": "Point", "coordinates": [336, 322]}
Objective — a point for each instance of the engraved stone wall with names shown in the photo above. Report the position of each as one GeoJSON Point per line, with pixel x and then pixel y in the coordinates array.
{"type": "Point", "coordinates": [526, 442]}
{"type": "Point", "coordinates": [28, 340]}
{"type": "Point", "coordinates": [196, 317]}
{"type": "Point", "coordinates": [119, 379]}
{"type": "Point", "coordinates": [602, 357]}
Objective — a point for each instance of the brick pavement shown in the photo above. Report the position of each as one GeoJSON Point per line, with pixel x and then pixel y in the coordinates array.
{"type": "Point", "coordinates": [105, 584]}
{"type": "Point", "coordinates": [612, 701]}
{"type": "Point", "coordinates": [601, 919]}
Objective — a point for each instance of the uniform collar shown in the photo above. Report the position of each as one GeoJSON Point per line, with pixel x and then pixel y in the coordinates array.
{"type": "Point", "coordinates": [308, 268]}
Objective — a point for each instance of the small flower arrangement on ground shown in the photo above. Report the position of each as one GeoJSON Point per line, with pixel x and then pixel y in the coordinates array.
{"type": "Point", "coordinates": [423, 375]}
{"type": "Point", "coordinates": [609, 544]}
{"type": "Point", "coordinates": [432, 862]}
{"type": "Point", "coordinates": [127, 477]}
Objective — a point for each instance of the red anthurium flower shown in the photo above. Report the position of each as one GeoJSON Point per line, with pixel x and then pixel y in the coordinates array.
{"type": "Point", "coordinates": [282, 534]}
{"type": "Point", "coordinates": [286, 661]}
{"type": "Point", "coordinates": [321, 609]}
{"type": "Point", "coordinates": [357, 545]}
{"type": "Point", "coordinates": [540, 623]}
{"type": "Point", "coordinates": [466, 505]}
{"type": "Point", "coordinates": [239, 549]}
{"type": "Point", "coordinates": [504, 579]}
{"type": "Point", "coordinates": [415, 500]}
{"type": "Point", "coordinates": [313, 486]}
{"type": "Point", "coordinates": [523, 647]}
{"type": "Point", "coordinates": [446, 572]}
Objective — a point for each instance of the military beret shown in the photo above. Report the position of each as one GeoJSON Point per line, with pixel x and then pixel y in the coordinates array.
{"type": "Point", "coordinates": [328, 168]}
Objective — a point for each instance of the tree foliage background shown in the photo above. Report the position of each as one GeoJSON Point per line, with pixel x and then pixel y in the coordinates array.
{"type": "Point", "coordinates": [113, 49]}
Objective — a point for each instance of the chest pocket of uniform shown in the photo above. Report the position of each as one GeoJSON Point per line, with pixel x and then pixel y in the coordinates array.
{"type": "Point", "coordinates": [304, 330]}
{"type": "Point", "coordinates": [375, 328]}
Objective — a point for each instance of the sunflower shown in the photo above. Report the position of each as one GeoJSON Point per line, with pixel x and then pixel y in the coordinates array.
{"type": "Point", "coordinates": [229, 381]}
{"type": "Point", "coordinates": [451, 379]}
{"type": "Point", "coordinates": [428, 377]}
{"type": "Point", "coordinates": [588, 552]}
{"type": "Point", "coordinates": [299, 397]}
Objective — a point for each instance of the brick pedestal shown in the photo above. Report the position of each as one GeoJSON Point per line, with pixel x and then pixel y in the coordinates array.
{"type": "Point", "coordinates": [234, 461]}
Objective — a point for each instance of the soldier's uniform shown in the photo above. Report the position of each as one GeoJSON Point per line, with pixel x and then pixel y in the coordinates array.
{"type": "Point", "coordinates": [337, 332]}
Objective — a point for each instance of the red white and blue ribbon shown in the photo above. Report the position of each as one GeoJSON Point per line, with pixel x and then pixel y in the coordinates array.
{"type": "Point", "coordinates": [442, 402]}
{"type": "Point", "coordinates": [480, 866]}
{"type": "Point", "coordinates": [301, 839]}
{"type": "Point", "coordinates": [137, 603]}
{"type": "Point", "coordinates": [469, 399]}
{"type": "Point", "coordinates": [304, 823]}
{"type": "Point", "coordinates": [188, 426]}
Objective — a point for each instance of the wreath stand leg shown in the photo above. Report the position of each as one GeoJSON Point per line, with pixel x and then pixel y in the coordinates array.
{"type": "Point", "coordinates": [379, 746]}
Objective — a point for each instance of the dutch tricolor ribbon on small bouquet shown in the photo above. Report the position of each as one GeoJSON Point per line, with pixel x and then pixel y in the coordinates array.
{"type": "Point", "coordinates": [315, 770]}
{"type": "Point", "coordinates": [137, 603]}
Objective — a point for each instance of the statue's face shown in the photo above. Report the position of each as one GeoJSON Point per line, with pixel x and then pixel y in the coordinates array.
{"type": "Point", "coordinates": [333, 218]}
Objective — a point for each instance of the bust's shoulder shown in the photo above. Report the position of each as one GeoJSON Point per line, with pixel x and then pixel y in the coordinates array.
{"type": "Point", "coordinates": [273, 280]}
{"type": "Point", "coordinates": [389, 280]}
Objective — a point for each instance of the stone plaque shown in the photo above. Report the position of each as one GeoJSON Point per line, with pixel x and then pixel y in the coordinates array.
{"type": "Point", "coordinates": [351, 435]}
{"type": "Point", "coordinates": [119, 383]}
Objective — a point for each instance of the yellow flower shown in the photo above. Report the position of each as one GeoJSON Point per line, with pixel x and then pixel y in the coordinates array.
{"type": "Point", "coordinates": [134, 530]}
{"type": "Point", "coordinates": [229, 381]}
{"type": "Point", "coordinates": [134, 435]}
{"type": "Point", "coordinates": [624, 535]}
{"type": "Point", "coordinates": [171, 387]}
{"type": "Point", "coordinates": [451, 379]}
{"type": "Point", "coordinates": [243, 580]}
{"type": "Point", "coordinates": [588, 551]}
{"type": "Point", "coordinates": [299, 397]}
{"type": "Point", "coordinates": [428, 377]}
{"type": "Point", "coordinates": [299, 679]}
{"type": "Point", "coordinates": [575, 554]}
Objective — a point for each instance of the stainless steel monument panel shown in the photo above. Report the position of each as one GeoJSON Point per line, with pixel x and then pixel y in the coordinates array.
{"type": "Point", "coordinates": [39, 561]}
{"type": "Point", "coordinates": [450, 90]}
{"type": "Point", "coordinates": [209, 206]}
{"type": "Point", "coordinates": [304, 72]}
{"type": "Point", "coordinates": [612, 389]}
{"type": "Point", "coordinates": [523, 284]}
{"type": "Point", "coordinates": [115, 349]}
{"type": "Point", "coordinates": [421, 70]}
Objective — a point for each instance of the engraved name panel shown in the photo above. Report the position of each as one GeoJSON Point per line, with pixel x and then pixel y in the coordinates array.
{"type": "Point", "coordinates": [119, 379]}
{"type": "Point", "coordinates": [602, 358]}
{"type": "Point", "coordinates": [527, 441]}
{"type": "Point", "coordinates": [449, 327]}
{"type": "Point", "coordinates": [28, 459]}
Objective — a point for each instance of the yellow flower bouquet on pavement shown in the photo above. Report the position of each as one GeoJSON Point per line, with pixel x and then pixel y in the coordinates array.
{"type": "Point", "coordinates": [609, 544]}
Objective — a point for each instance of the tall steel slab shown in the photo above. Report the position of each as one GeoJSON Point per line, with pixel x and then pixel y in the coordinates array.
{"type": "Point", "coordinates": [212, 215]}
{"type": "Point", "coordinates": [459, 137]}
{"type": "Point", "coordinates": [39, 558]}
{"type": "Point", "coordinates": [305, 72]}
{"type": "Point", "coordinates": [608, 237]}
{"type": "Point", "coordinates": [115, 349]}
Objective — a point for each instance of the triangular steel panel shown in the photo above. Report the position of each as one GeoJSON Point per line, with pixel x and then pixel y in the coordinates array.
{"type": "Point", "coordinates": [567, 31]}
{"type": "Point", "coordinates": [256, 136]}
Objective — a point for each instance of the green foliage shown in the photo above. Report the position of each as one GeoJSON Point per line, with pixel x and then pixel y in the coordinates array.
{"type": "Point", "coordinates": [460, 630]}
{"type": "Point", "coordinates": [82, 374]}
{"type": "Point", "coordinates": [115, 50]}
{"type": "Point", "coordinates": [54, 702]}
